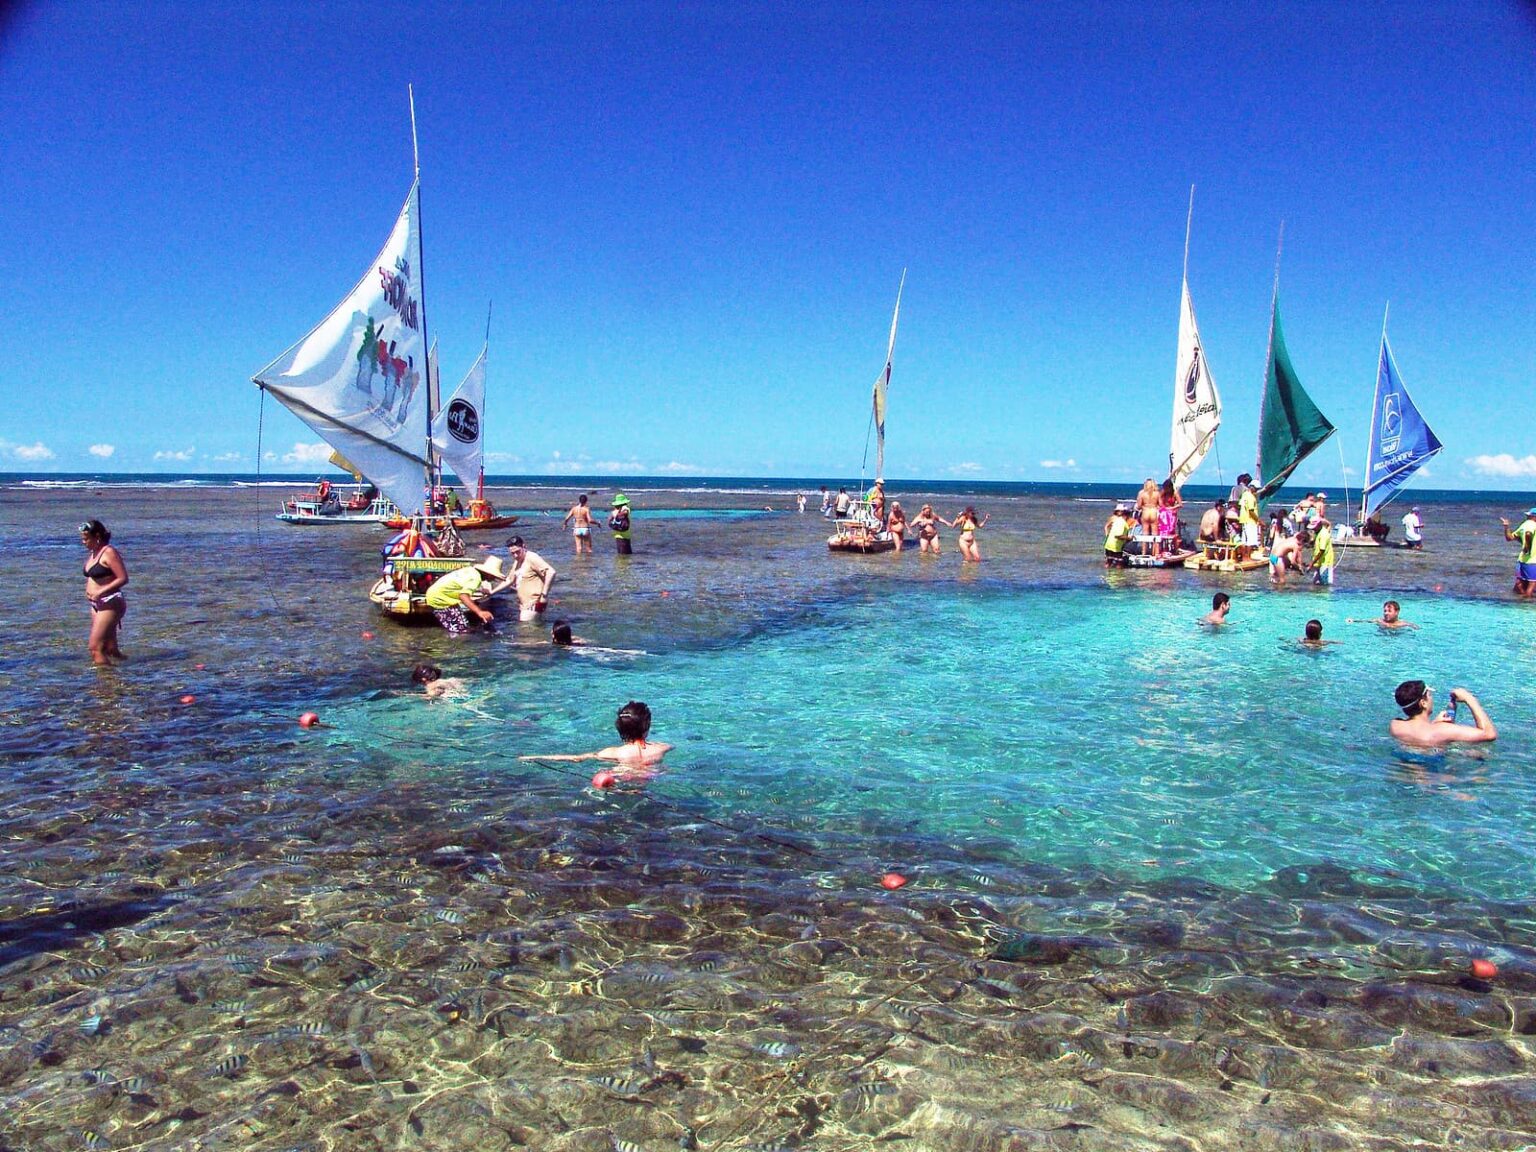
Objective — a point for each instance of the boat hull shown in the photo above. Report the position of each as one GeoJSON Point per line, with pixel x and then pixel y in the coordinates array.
{"type": "Point", "coordinates": [1166, 560]}
{"type": "Point", "coordinates": [400, 593]}
{"type": "Point", "coordinates": [860, 547]}
{"type": "Point", "coordinates": [460, 524]}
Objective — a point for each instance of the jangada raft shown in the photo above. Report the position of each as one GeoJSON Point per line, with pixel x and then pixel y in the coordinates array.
{"type": "Point", "coordinates": [862, 530]}
{"type": "Point", "coordinates": [413, 561]}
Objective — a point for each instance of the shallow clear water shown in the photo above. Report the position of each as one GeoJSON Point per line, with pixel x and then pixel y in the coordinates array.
{"type": "Point", "coordinates": [1167, 888]}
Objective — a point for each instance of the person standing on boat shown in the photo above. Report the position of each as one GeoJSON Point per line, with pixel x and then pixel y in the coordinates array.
{"type": "Point", "coordinates": [968, 525]}
{"type": "Point", "coordinates": [1147, 502]}
{"type": "Point", "coordinates": [618, 522]}
{"type": "Point", "coordinates": [581, 521]}
{"type": "Point", "coordinates": [533, 575]}
{"type": "Point", "coordinates": [1248, 513]}
{"type": "Point", "coordinates": [1213, 523]}
{"type": "Point", "coordinates": [1413, 528]}
{"type": "Point", "coordinates": [1525, 567]}
{"type": "Point", "coordinates": [105, 578]}
{"type": "Point", "coordinates": [877, 501]}
{"type": "Point", "coordinates": [1420, 725]}
{"type": "Point", "coordinates": [455, 596]}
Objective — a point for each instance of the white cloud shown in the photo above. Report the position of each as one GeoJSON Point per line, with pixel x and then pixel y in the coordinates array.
{"type": "Point", "coordinates": [307, 454]}
{"type": "Point", "coordinates": [102, 450]}
{"type": "Point", "coordinates": [225, 458]}
{"type": "Point", "coordinates": [679, 469]}
{"type": "Point", "coordinates": [1058, 463]}
{"type": "Point", "coordinates": [176, 457]}
{"type": "Point", "coordinates": [964, 469]}
{"type": "Point", "coordinates": [502, 458]}
{"type": "Point", "coordinates": [31, 452]}
{"type": "Point", "coordinates": [1504, 465]}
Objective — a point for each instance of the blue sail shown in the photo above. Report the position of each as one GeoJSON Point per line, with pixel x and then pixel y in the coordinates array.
{"type": "Point", "coordinates": [1400, 439]}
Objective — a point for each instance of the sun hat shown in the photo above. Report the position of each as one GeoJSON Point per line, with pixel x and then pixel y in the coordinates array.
{"type": "Point", "coordinates": [1530, 511]}
{"type": "Point", "coordinates": [620, 500]}
{"type": "Point", "coordinates": [491, 566]}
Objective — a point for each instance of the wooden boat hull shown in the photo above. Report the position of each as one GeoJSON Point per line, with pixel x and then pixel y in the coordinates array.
{"type": "Point", "coordinates": [1205, 563]}
{"type": "Point", "coordinates": [1166, 560]}
{"type": "Point", "coordinates": [860, 547]}
{"type": "Point", "coordinates": [460, 523]}
{"type": "Point", "coordinates": [400, 593]}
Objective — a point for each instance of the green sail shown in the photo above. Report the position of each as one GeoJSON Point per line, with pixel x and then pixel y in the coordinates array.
{"type": "Point", "coordinates": [1290, 425]}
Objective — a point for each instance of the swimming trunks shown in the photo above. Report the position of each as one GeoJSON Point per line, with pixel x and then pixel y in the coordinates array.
{"type": "Point", "coordinates": [111, 602]}
{"type": "Point", "coordinates": [1525, 572]}
{"type": "Point", "coordinates": [1323, 576]}
{"type": "Point", "coordinates": [455, 621]}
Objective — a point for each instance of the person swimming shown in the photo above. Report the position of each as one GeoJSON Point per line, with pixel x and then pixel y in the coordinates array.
{"type": "Point", "coordinates": [431, 678]}
{"type": "Point", "coordinates": [638, 757]}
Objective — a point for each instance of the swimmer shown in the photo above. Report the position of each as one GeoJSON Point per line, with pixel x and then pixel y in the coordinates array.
{"type": "Point", "coordinates": [1420, 725]}
{"type": "Point", "coordinates": [1389, 617]}
{"type": "Point", "coordinates": [637, 757]}
{"type": "Point", "coordinates": [1314, 635]}
{"type": "Point", "coordinates": [1221, 604]}
{"type": "Point", "coordinates": [560, 635]}
{"type": "Point", "coordinates": [431, 678]}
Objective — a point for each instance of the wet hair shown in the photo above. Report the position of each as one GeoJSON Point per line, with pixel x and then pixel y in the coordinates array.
{"type": "Point", "coordinates": [1408, 695]}
{"type": "Point", "coordinates": [1219, 600]}
{"type": "Point", "coordinates": [1314, 629]}
{"type": "Point", "coordinates": [1392, 604]}
{"type": "Point", "coordinates": [561, 633]}
{"type": "Point", "coordinates": [634, 721]}
{"type": "Point", "coordinates": [515, 542]}
{"type": "Point", "coordinates": [425, 674]}
{"type": "Point", "coordinates": [96, 530]}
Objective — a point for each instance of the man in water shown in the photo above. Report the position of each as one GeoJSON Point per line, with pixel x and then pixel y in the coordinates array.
{"type": "Point", "coordinates": [1525, 567]}
{"type": "Point", "coordinates": [840, 505]}
{"type": "Point", "coordinates": [1313, 635]}
{"type": "Point", "coordinates": [1284, 553]}
{"type": "Point", "coordinates": [1322, 561]}
{"type": "Point", "coordinates": [533, 576]}
{"type": "Point", "coordinates": [581, 521]}
{"type": "Point", "coordinates": [1420, 725]}
{"type": "Point", "coordinates": [1389, 617]}
{"type": "Point", "coordinates": [431, 678]}
{"type": "Point", "coordinates": [638, 757]}
{"type": "Point", "coordinates": [1221, 604]}
{"type": "Point", "coordinates": [1413, 528]}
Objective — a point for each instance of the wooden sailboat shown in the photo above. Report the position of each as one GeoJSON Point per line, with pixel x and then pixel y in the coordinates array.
{"type": "Point", "coordinates": [862, 530]}
{"type": "Point", "coordinates": [356, 380]}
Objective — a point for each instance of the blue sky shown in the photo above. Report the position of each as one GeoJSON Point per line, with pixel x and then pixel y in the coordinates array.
{"type": "Point", "coordinates": [692, 219]}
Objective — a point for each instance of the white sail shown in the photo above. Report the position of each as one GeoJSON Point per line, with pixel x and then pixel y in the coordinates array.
{"type": "Point", "coordinates": [1196, 403]}
{"type": "Point", "coordinates": [883, 384]}
{"type": "Point", "coordinates": [459, 428]}
{"type": "Point", "coordinates": [356, 378]}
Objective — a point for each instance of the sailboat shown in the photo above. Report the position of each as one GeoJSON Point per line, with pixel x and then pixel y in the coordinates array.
{"type": "Point", "coordinates": [861, 529]}
{"type": "Point", "coordinates": [356, 380]}
{"type": "Point", "coordinates": [1291, 427]}
{"type": "Point", "coordinates": [458, 438]}
{"type": "Point", "coordinates": [327, 504]}
{"type": "Point", "coordinates": [1400, 443]}
{"type": "Point", "coordinates": [1196, 415]}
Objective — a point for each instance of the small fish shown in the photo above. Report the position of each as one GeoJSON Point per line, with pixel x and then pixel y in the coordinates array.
{"type": "Point", "coordinates": [465, 966]}
{"type": "Point", "coordinates": [92, 1139]}
{"type": "Point", "coordinates": [92, 1025]}
{"type": "Point", "coordinates": [654, 978]}
{"type": "Point", "coordinates": [616, 1085]}
{"type": "Point", "coordinates": [777, 1049]}
{"type": "Point", "coordinates": [241, 965]}
{"type": "Point", "coordinates": [230, 1007]}
{"type": "Point", "coordinates": [626, 1146]}
{"type": "Point", "coordinates": [448, 916]}
{"type": "Point", "coordinates": [368, 983]}
{"type": "Point", "coordinates": [96, 1076]}
{"type": "Point", "coordinates": [189, 822]}
{"type": "Point", "coordinates": [230, 1065]}
{"type": "Point", "coordinates": [133, 1085]}
{"type": "Point", "coordinates": [294, 858]}
{"type": "Point", "coordinates": [88, 973]}
{"type": "Point", "coordinates": [983, 879]}
{"type": "Point", "coordinates": [306, 1028]}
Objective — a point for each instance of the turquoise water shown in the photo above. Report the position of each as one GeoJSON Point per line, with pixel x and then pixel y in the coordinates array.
{"type": "Point", "coordinates": [1064, 728]}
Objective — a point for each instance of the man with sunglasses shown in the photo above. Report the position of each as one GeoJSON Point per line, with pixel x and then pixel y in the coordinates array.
{"type": "Point", "coordinates": [1420, 725]}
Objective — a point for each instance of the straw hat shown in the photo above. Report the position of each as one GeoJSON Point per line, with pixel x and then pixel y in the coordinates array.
{"type": "Point", "coordinates": [491, 566]}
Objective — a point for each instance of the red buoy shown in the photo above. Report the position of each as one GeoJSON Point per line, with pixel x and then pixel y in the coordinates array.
{"type": "Point", "coordinates": [199, 667]}
{"type": "Point", "coordinates": [189, 699]}
{"type": "Point", "coordinates": [892, 881]}
{"type": "Point", "coordinates": [367, 635]}
{"type": "Point", "coordinates": [1484, 969]}
{"type": "Point", "coordinates": [604, 779]}
{"type": "Point", "coordinates": [309, 720]}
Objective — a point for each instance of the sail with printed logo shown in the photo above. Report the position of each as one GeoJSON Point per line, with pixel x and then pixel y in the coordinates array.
{"type": "Point", "coordinates": [1401, 441]}
{"type": "Point", "coordinates": [1291, 426]}
{"type": "Point", "coordinates": [1196, 403]}
{"type": "Point", "coordinates": [458, 431]}
{"type": "Point", "coordinates": [356, 378]}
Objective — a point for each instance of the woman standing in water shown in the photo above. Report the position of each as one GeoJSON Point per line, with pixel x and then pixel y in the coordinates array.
{"type": "Point", "coordinates": [927, 522]}
{"type": "Point", "coordinates": [105, 577]}
{"type": "Point", "coordinates": [969, 525]}
{"type": "Point", "coordinates": [896, 524]}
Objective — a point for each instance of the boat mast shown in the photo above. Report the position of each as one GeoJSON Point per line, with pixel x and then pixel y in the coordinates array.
{"type": "Point", "coordinates": [1183, 288]}
{"type": "Point", "coordinates": [480, 481]}
{"type": "Point", "coordinates": [1269, 360]}
{"type": "Point", "coordinates": [1370, 437]}
{"type": "Point", "coordinates": [421, 277]}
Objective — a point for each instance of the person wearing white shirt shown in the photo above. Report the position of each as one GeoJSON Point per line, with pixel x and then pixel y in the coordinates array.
{"type": "Point", "coordinates": [1413, 528]}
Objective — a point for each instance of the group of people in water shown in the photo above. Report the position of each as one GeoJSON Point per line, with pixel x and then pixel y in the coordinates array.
{"type": "Point", "coordinates": [874, 517]}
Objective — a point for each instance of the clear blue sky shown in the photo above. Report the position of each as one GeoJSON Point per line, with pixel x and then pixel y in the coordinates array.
{"type": "Point", "coordinates": [692, 219]}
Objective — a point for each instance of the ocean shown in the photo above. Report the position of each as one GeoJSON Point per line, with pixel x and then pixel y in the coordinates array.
{"type": "Point", "coordinates": [1164, 888]}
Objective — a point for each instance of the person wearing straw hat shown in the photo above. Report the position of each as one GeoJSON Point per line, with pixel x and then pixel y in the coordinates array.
{"type": "Point", "coordinates": [618, 521]}
{"type": "Point", "coordinates": [1525, 566]}
{"type": "Point", "coordinates": [455, 596]}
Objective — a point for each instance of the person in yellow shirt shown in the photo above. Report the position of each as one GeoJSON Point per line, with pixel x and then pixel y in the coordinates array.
{"type": "Point", "coordinates": [1117, 530]}
{"type": "Point", "coordinates": [455, 596]}
{"type": "Point", "coordinates": [1248, 513]}
{"type": "Point", "coordinates": [1322, 561]}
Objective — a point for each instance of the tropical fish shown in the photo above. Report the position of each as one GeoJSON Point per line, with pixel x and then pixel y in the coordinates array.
{"type": "Point", "coordinates": [230, 1065]}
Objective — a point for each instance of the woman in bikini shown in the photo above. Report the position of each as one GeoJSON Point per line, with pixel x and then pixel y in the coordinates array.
{"type": "Point", "coordinates": [896, 524]}
{"type": "Point", "coordinates": [105, 577]}
{"type": "Point", "coordinates": [969, 525]}
{"type": "Point", "coordinates": [927, 522]}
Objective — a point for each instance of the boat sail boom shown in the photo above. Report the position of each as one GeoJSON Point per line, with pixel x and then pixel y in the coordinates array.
{"type": "Point", "coordinates": [356, 378]}
{"type": "Point", "coordinates": [1401, 441]}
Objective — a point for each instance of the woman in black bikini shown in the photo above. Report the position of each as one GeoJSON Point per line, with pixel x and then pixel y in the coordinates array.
{"type": "Point", "coordinates": [105, 577]}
